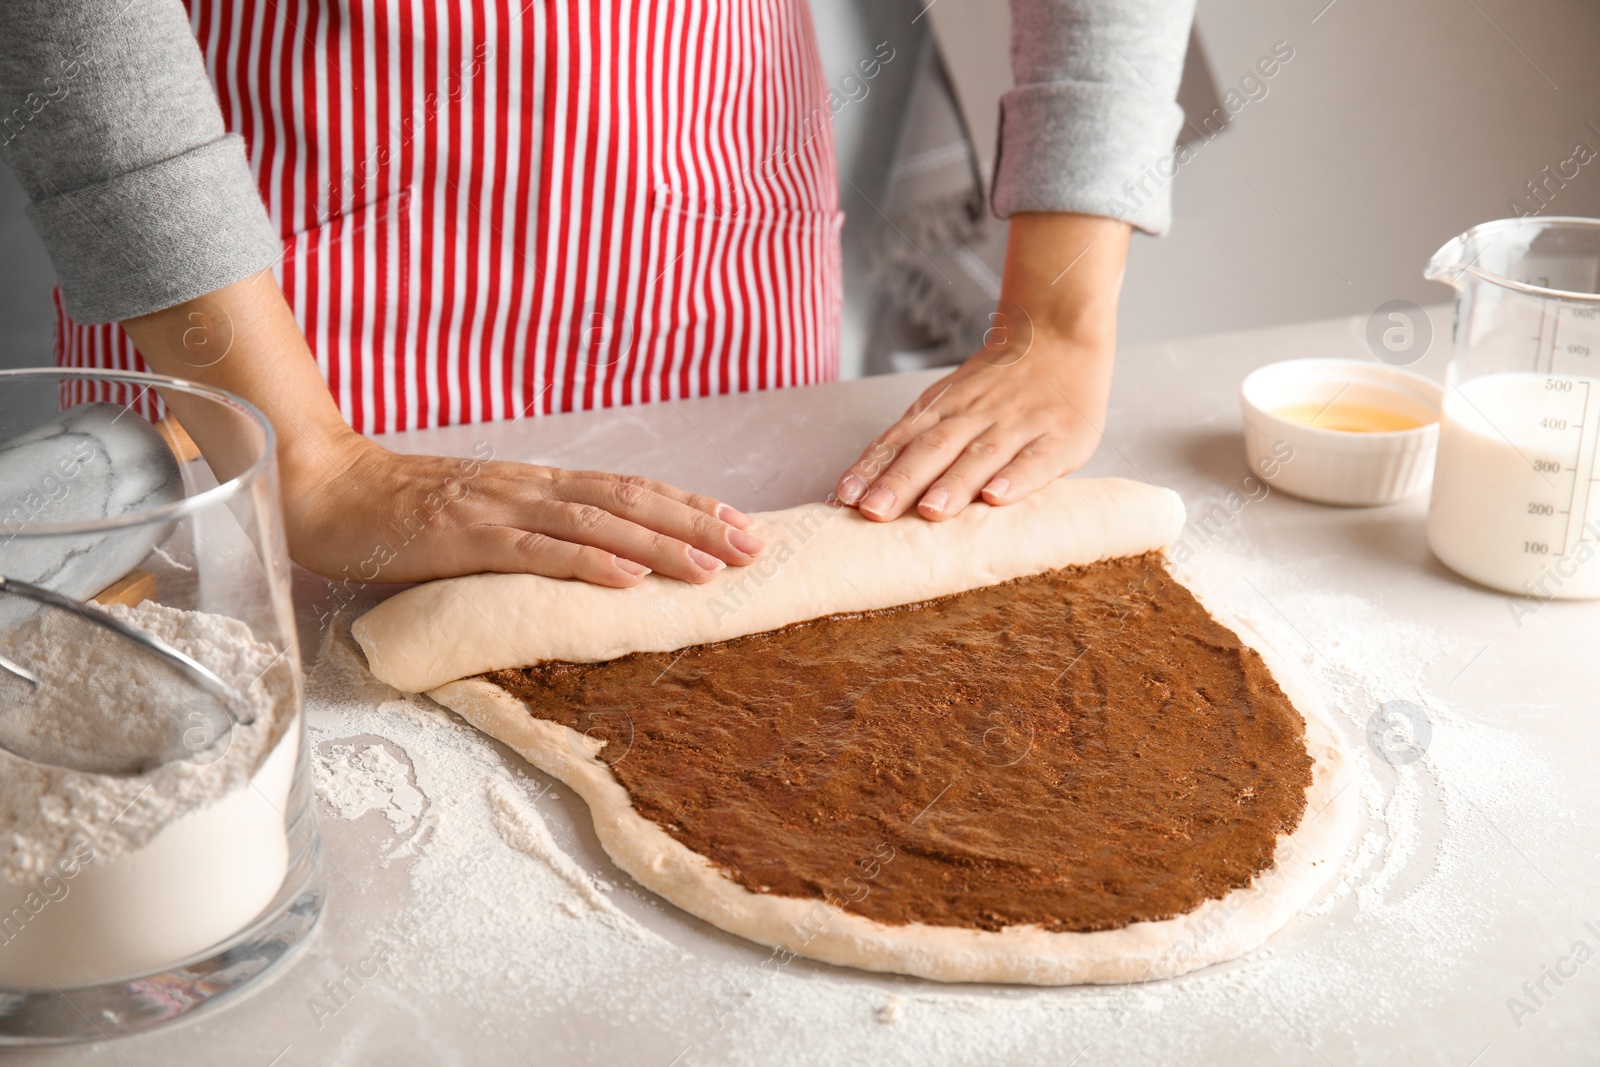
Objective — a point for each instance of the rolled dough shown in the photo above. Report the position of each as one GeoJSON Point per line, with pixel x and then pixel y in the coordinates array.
{"type": "Point", "coordinates": [820, 560]}
{"type": "Point", "coordinates": [824, 561]}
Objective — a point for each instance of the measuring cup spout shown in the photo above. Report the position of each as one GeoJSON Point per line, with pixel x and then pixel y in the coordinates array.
{"type": "Point", "coordinates": [1449, 263]}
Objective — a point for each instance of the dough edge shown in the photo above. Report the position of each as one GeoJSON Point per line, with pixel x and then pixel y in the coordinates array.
{"type": "Point", "coordinates": [828, 560]}
{"type": "Point", "coordinates": [1219, 929]}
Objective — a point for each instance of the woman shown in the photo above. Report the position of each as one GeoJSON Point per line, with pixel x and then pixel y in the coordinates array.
{"type": "Point", "coordinates": [497, 210]}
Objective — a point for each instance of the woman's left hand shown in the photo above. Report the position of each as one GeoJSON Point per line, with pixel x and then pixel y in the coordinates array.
{"type": "Point", "coordinates": [991, 430]}
{"type": "Point", "coordinates": [1027, 408]}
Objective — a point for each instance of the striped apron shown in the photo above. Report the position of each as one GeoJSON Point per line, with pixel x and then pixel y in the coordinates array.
{"type": "Point", "coordinates": [497, 208]}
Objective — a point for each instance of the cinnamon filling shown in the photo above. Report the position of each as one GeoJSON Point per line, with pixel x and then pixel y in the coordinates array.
{"type": "Point", "coordinates": [1081, 750]}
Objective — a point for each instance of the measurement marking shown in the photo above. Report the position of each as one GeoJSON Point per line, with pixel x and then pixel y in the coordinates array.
{"type": "Point", "coordinates": [1555, 336]}
{"type": "Point", "coordinates": [1538, 341]}
{"type": "Point", "coordinates": [1577, 460]}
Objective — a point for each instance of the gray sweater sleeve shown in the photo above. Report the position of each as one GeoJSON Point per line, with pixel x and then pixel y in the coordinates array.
{"type": "Point", "coordinates": [141, 196]}
{"type": "Point", "coordinates": [1092, 122]}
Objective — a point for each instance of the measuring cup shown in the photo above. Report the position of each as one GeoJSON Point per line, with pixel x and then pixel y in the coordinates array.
{"type": "Point", "coordinates": [1515, 502]}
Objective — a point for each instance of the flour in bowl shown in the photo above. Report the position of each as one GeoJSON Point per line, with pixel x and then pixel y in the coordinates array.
{"type": "Point", "coordinates": [46, 810]}
{"type": "Point", "coordinates": [104, 876]}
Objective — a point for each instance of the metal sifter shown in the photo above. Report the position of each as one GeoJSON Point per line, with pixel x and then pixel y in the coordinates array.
{"type": "Point", "coordinates": [51, 712]}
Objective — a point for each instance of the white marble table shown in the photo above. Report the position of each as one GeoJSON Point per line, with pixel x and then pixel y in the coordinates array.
{"type": "Point", "coordinates": [1480, 858]}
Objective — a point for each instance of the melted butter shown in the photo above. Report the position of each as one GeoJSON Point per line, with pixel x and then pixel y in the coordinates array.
{"type": "Point", "coordinates": [1348, 418]}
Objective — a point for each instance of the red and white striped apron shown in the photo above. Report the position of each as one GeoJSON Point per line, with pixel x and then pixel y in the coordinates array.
{"type": "Point", "coordinates": [493, 208]}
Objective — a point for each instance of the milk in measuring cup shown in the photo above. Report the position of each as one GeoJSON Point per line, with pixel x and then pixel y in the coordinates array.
{"type": "Point", "coordinates": [1515, 505]}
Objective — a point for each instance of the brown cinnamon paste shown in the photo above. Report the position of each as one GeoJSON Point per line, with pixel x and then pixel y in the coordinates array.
{"type": "Point", "coordinates": [1082, 749]}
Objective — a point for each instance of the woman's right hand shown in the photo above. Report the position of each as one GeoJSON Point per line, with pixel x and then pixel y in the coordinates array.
{"type": "Point", "coordinates": [367, 513]}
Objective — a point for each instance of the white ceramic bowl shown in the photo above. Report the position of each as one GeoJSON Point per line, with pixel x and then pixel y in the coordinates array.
{"type": "Point", "coordinates": [1337, 466]}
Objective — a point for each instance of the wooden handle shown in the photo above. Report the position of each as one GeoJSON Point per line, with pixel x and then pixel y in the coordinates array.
{"type": "Point", "coordinates": [178, 439]}
{"type": "Point", "coordinates": [129, 590]}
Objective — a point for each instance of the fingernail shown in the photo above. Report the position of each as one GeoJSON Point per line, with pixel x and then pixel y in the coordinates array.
{"type": "Point", "coordinates": [997, 488]}
{"type": "Point", "coordinates": [749, 544]}
{"type": "Point", "coordinates": [628, 566]}
{"type": "Point", "coordinates": [851, 488]}
{"type": "Point", "coordinates": [878, 501]}
{"type": "Point", "coordinates": [734, 517]}
{"type": "Point", "coordinates": [936, 499]}
{"type": "Point", "coordinates": [705, 560]}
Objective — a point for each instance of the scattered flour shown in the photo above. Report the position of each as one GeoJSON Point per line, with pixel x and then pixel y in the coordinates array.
{"type": "Point", "coordinates": [523, 828]}
{"type": "Point", "coordinates": [355, 779]}
{"type": "Point", "coordinates": [48, 813]}
{"type": "Point", "coordinates": [482, 810]}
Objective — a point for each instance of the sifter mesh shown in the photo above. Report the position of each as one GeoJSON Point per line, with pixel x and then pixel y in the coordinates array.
{"type": "Point", "coordinates": [142, 703]}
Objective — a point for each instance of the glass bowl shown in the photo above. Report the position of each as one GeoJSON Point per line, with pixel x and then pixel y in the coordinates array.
{"type": "Point", "coordinates": [129, 901]}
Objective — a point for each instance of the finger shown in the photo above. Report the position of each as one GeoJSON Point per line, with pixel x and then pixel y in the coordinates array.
{"type": "Point", "coordinates": [925, 457]}
{"type": "Point", "coordinates": [1040, 461]}
{"type": "Point", "coordinates": [959, 486]}
{"type": "Point", "coordinates": [877, 456]}
{"type": "Point", "coordinates": [698, 501]}
{"type": "Point", "coordinates": [511, 551]}
{"type": "Point", "coordinates": [586, 524]}
{"type": "Point", "coordinates": [656, 511]}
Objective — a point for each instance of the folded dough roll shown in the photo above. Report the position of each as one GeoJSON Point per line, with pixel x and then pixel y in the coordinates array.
{"type": "Point", "coordinates": [820, 560]}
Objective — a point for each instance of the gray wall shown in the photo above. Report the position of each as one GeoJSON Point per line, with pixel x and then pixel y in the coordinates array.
{"type": "Point", "coordinates": [1396, 126]}
{"type": "Point", "coordinates": [865, 135]}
